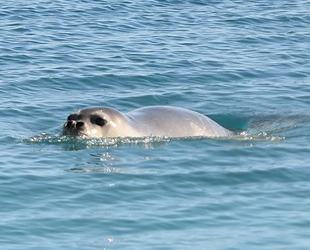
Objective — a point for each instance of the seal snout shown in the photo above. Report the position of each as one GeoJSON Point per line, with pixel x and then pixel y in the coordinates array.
{"type": "Point", "coordinates": [74, 124]}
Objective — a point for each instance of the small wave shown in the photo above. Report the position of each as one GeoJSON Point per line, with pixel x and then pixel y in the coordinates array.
{"type": "Point", "coordinates": [96, 170]}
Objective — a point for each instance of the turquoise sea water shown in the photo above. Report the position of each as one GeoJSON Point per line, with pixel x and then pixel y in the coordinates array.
{"type": "Point", "coordinates": [243, 63]}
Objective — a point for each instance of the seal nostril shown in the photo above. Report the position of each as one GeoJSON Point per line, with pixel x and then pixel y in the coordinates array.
{"type": "Point", "coordinates": [69, 124]}
{"type": "Point", "coordinates": [79, 124]}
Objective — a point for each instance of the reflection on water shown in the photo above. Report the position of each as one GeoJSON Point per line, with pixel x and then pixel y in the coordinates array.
{"type": "Point", "coordinates": [109, 162]}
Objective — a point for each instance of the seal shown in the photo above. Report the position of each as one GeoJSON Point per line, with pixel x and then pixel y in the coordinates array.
{"type": "Point", "coordinates": [147, 121]}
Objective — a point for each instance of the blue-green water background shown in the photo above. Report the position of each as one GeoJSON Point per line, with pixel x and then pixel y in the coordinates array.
{"type": "Point", "coordinates": [243, 63]}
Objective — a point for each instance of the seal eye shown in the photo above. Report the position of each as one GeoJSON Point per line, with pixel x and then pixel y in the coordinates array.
{"type": "Point", "coordinates": [98, 120]}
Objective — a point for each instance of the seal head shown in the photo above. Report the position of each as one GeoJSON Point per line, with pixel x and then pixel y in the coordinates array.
{"type": "Point", "coordinates": [94, 122]}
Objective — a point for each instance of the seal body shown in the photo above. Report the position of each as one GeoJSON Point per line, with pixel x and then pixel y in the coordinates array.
{"type": "Point", "coordinates": [148, 121]}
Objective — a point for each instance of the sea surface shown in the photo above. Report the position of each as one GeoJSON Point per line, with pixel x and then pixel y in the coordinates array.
{"type": "Point", "coordinates": [245, 64]}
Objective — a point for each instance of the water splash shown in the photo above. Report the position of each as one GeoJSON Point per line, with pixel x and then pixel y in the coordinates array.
{"type": "Point", "coordinates": [85, 142]}
{"type": "Point", "coordinates": [262, 136]}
